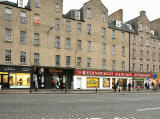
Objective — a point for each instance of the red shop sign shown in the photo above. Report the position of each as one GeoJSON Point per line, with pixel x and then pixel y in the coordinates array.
{"type": "Point", "coordinates": [103, 73]}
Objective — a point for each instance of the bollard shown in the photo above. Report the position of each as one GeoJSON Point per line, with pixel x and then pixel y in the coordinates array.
{"type": "Point", "coordinates": [96, 89]}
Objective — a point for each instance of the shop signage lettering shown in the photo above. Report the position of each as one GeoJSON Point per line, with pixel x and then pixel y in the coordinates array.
{"type": "Point", "coordinates": [9, 69]}
{"type": "Point", "coordinates": [103, 73]}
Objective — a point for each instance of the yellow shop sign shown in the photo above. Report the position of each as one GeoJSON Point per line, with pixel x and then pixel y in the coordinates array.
{"type": "Point", "coordinates": [92, 82]}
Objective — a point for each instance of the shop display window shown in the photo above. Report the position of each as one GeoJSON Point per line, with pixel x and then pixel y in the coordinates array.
{"type": "Point", "coordinates": [106, 82]}
{"type": "Point", "coordinates": [113, 82]}
{"type": "Point", "coordinates": [19, 79]}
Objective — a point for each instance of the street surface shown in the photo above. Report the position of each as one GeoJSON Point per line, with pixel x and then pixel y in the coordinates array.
{"type": "Point", "coordinates": [80, 106]}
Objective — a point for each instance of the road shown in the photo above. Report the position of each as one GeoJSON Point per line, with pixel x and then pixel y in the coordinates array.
{"type": "Point", "coordinates": [80, 106]}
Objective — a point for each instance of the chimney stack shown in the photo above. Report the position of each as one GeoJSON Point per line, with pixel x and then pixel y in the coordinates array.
{"type": "Point", "coordinates": [142, 13]}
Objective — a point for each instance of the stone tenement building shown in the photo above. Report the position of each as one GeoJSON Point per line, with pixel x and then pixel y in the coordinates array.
{"type": "Point", "coordinates": [84, 48]}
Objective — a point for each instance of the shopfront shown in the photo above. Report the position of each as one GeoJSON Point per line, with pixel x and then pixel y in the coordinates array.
{"type": "Point", "coordinates": [86, 79]}
{"type": "Point", "coordinates": [15, 76]}
{"type": "Point", "coordinates": [45, 75]}
{"type": "Point", "coordinates": [156, 80]}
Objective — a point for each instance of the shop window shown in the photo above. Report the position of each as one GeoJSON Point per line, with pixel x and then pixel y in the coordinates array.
{"type": "Point", "coordinates": [92, 82]}
{"type": "Point", "coordinates": [113, 82]}
{"type": "Point", "coordinates": [19, 79]}
{"type": "Point", "coordinates": [106, 82]}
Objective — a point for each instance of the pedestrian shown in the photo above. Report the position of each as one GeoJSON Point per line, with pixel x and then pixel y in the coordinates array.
{"type": "Point", "coordinates": [146, 85]}
{"type": "Point", "coordinates": [115, 87]}
{"type": "Point", "coordinates": [36, 84]}
{"type": "Point", "coordinates": [129, 87]}
{"type": "Point", "coordinates": [53, 84]}
{"type": "Point", "coordinates": [61, 85]}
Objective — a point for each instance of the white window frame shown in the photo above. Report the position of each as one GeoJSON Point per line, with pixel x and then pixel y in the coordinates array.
{"type": "Point", "coordinates": [57, 60]}
{"type": "Point", "coordinates": [68, 25]}
{"type": "Point", "coordinates": [79, 27]}
{"type": "Point", "coordinates": [23, 36]}
{"type": "Point", "coordinates": [103, 63]}
{"type": "Point", "coordinates": [57, 22]}
{"type": "Point", "coordinates": [89, 28]}
{"type": "Point", "coordinates": [23, 57]}
{"type": "Point", "coordinates": [123, 51]}
{"type": "Point", "coordinates": [8, 55]}
{"type": "Point", "coordinates": [88, 62]}
{"type": "Point", "coordinates": [89, 46]}
{"type": "Point", "coordinates": [79, 44]}
{"type": "Point", "coordinates": [113, 49]}
{"type": "Point", "coordinates": [8, 12]}
{"type": "Point", "coordinates": [36, 39]}
{"type": "Point", "coordinates": [141, 67]}
{"type": "Point", "coordinates": [8, 34]}
{"type": "Point", "coordinates": [57, 42]}
{"type": "Point", "coordinates": [36, 58]}
{"type": "Point", "coordinates": [123, 66]}
{"type": "Point", "coordinates": [103, 17]}
{"type": "Point", "coordinates": [37, 3]}
{"type": "Point", "coordinates": [113, 34]}
{"type": "Point", "coordinates": [79, 61]}
{"type": "Point", "coordinates": [89, 13]}
{"type": "Point", "coordinates": [103, 47]}
{"type": "Point", "coordinates": [113, 65]}
{"type": "Point", "coordinates": [23, 17]}
{"type": "Point", "coordinates": [68, 60]}
{"type": "Point", "coordinates": [103, 32]}
{"type": "Point", "coordinates": [57, 7]}
{"type": "Point", "coordinates": [68, 43]}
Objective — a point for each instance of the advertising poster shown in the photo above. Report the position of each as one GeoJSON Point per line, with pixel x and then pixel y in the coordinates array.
{"type": "Point", "coordinates": [106, 82]}
{"type": "Point", "coordinates": [92, 82]}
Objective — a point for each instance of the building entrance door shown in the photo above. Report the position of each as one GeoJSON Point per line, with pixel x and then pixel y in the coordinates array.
{"type": "Point", "coordinates": [4, 80]}
{"type": "Point", "coordinates": [79, 83]}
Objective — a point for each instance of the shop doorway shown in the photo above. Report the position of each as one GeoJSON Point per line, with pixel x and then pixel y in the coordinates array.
{"type": "Point", "coordinates": [122, 83]}
{"type": "Point", "coordinates": [4, 80]}
{"type": "Point", "coordinates": [79, 83]}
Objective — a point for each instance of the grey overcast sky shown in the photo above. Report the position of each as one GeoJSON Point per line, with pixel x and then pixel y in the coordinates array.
{"type": "Point", "coordinates": [131, 8]}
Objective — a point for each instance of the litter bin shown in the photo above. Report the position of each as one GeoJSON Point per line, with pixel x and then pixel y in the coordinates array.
{"type": "Point", "coordinates": [0, 87]}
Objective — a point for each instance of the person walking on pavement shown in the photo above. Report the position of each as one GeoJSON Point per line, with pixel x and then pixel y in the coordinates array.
{"type": "Point", "coordinates": [53, 84]}
{"type": "Point", "coordinates": [129, 87]}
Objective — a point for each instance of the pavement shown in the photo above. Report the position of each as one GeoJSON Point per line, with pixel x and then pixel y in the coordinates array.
{"type": "Point", "coordinates": [50, 91]}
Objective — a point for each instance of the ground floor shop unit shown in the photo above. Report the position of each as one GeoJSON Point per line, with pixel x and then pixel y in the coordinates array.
{"type": "Point", "coordinates": [86, 79]}
{"type": "Point", "coordinates": [45, 75]}
{"type": "Point", "coordinates": [15, 76]}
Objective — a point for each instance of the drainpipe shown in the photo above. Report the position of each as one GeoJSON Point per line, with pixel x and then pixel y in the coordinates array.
{"type": "Point", "coordinates": [129, 52]}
